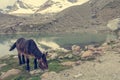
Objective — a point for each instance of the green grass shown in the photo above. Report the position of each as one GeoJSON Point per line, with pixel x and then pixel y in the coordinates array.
{"type": "Point", "coordinates": [55, 65]}
{"type": "Point", "coordinates": [11, 63]}
{"type": "Point", "coordinates": [35, 78]}
{"type": "Point", "coordinates": [25, 76]}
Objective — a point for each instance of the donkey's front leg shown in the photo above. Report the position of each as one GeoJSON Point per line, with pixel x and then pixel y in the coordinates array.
{"type": "Point", "coordinates": [20, 60]}
{"type": "Point", "coordinates": [35, 64]}
{"type": "Point", "coordinates": [23, 59]}
{"type": "Point", "coordinates": [27, 62]}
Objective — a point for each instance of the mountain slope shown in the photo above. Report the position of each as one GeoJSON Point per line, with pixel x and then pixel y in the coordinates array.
{"type": "Point", "coordinates": [110, 11]}
{"type": "Point", "coordinates": [73, 19]}
{"type": "Point", "coordinates": [93, 15]}
{"type": "Point", "coordinates": [42, 6]}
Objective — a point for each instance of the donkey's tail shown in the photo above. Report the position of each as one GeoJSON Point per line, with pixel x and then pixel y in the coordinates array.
{"type": "Point", "coordinates": [12, 47]}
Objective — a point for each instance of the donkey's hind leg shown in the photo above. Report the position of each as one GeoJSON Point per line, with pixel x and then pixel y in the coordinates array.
{"type": "Point", "coordinates": [27, 66]}
{"type": "Point", "coordinates": [20, 60]}
{"type": "Point", "coordinates": [23, 59]}
{"type": "Point", "coordinates": [35, 64]}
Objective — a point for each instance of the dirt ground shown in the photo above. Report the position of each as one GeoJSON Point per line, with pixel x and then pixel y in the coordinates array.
{"type": "Point", "coordinates": [106, 67]}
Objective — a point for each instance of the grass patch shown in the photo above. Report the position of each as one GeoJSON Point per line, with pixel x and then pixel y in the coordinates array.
{"type": "Point", "coordinates": [74, 58]}
{"type": "Point", "coordinates": [55, 65]}
{"type": "Point", "coordinates": [35, 78]}
{"type": "Point", "coordinates": [22, 76]}
{"type": "Point", "coordinates": [11, 62]}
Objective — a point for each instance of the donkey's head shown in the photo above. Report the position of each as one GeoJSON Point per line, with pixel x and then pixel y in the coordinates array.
{"type": "Point", "coordinates": [43, 64]}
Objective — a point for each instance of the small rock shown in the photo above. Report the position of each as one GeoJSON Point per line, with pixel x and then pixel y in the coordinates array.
{"type": "Point", "coordinates": [52, 56]}
{"type": "Point", "coordinates": [31, 26]}
{"type": "Point", "coordinates": [89, 47]}
{"type": "Point", "coordinates": [76, 49]}
{"type": "Point", "coordinates": [78, 62]}
{"type": "Point", "coordinates": [35, 71]}
{"type": "Point", "coordinates": [69, 56]}
{"type": "Point", "coordinates": [2, 65]}
{"type": "Point", "coordinates": [10, 73]}
{"type": "Point", "coordinates": [78, 75]}
{"type": "Point", "coordinates": [105, 44]}
{"type": "Point", "coordinates": [61, 57]}
{"type": "Point", "coordinates": [15, 57]}
{"type": "Point", "coordinates": [87, 54]}
{"type": "Point", "coordinates": [75, 53]}
{"type": "Point", "coordinates": [68, 63]}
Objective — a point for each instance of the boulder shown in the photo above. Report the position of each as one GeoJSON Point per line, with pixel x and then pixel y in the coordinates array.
{"type": "Point", "coordinates": [2, 65]}
{"type": "Point", "coordinates": [114, 24]}
{"type": "Point", "coordinates": [76, 49]}
{"type": "Point", "coordinates": [52, 56]}
{"type": "Point", "coordinates": [92, 51]}
{"type": "Point", "coordinates": [90, 47]}
{"type": "Point", "coordinates": [50, 76]}
{"type": "Point", "coordinates": [87, 54]}
{"type": "Point", "coordinates": [10, 73]}
{"type": "Point", "coordinates": [105, 46]}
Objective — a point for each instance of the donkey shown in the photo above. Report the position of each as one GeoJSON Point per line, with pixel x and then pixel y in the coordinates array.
{"type": "Point", "coordinates": [27, 48]}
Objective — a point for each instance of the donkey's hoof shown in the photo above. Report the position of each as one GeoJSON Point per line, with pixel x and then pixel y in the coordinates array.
{"type": "Point", "coordinates": [23, 62]}
{"type": "Point", "coordinates": [28, 68]}
{"type": "Point", "coordinates": [35, 67]}
{"type": "Point", "coordinates": [20, 64]}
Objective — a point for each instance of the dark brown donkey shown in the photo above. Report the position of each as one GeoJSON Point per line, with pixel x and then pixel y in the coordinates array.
{"type": "Point", "coordinates": [28, 48]}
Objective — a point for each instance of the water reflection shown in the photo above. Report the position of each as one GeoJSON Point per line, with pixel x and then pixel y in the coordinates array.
{"type": "Point", "coordinates": [50, 41]}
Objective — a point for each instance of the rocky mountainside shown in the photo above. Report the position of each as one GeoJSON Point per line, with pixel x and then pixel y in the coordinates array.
{"type": "Point", "coordinates": [93, 15]}
{"type": "Point", "coordinates": [90, 16]}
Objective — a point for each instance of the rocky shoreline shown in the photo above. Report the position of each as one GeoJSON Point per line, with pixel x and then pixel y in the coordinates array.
{"type": "Point", "coordinates": [75, 64]}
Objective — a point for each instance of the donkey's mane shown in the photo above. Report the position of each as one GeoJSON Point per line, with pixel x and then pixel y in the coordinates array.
{"type": "Point", "coordinates": [33, 49]}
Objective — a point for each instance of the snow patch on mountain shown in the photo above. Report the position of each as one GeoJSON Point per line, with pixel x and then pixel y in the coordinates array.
{"type": "Point", "coordinates": [43, 6]}
{"type": "Point", "coordinates": [61, 5]}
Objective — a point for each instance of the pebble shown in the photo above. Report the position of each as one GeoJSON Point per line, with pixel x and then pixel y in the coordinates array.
{"type": "Point", "coordinates": [78, 75]}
